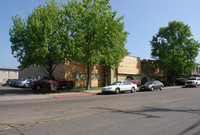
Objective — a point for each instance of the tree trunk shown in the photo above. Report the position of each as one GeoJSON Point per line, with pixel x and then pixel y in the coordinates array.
{"type": "Point", "coordinates": [88, 78]}
{"type": "Point", "coordinates": [171, 77]}
{"type": "Point", "coordinates": [50, 69]}
{"type": "Point", "coordinates": [105, 76]}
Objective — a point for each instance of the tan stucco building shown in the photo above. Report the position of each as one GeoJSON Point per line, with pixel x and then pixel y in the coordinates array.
{"type": "Point", "coordinates": [137, 69]}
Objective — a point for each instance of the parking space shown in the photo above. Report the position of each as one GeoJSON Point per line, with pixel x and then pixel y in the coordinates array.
{"type": "Point", "coordinates": [14, 91]}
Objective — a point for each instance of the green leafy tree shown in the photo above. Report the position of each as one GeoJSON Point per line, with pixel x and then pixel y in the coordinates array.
{"type": "Point", "coordinates": [42, 38]}
{"type": "Point", "coordinates": [174, 50]}
{"type": "Point", "coordinates": [97, 34]}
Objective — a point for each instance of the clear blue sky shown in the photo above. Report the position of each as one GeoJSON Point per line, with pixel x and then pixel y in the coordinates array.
{"type": "Point", "coordinates": [143, 18]}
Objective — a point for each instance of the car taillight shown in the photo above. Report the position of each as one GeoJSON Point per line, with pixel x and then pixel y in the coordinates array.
{"type": "Point", "coordinates": [34, 82]}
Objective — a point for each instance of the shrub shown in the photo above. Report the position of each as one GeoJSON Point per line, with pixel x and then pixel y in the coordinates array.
{"type": "Point", "coordinates": [138, 82]}
{"type": "Point", "coordinates": [180, 81]}
{"type": "Point", "coordinates": [66, 84]}
{"type": "Point", "coordinates": [48, 85]}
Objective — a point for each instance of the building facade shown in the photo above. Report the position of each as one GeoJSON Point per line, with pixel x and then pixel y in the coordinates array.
{"type": "Point", "coordinates": [6, 73]}
{"type": "Point", "coordinates": [196, 71]}
{"type": "Point", "coordinates": [72, 70]}
{"type": "Point", "coordinates": [36, 72]}
{"type": "Point", "coordinates": [138, 69]}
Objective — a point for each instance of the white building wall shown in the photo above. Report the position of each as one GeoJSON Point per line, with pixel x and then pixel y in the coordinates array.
{"type": "Point", "coordinates": [8, 74]}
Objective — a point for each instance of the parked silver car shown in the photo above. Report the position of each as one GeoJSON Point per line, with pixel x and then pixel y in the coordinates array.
{"type": "Point", "coordinates": [152, 85]}
{"type": "Point", "coordinates": [22, 83]}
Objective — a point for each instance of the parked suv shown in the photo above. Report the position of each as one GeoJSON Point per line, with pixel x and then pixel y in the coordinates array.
{"type": "Point", "coordinates": [193, 81]}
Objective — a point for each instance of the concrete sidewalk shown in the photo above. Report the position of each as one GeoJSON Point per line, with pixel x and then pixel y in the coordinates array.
{"type": "Point", "coordinates": [57, 95]}
{"type": "Point", "coordinates": [51, 95]}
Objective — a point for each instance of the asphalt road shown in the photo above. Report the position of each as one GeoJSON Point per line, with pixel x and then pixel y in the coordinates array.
{"type": "Point", "coordinates": [10, 91]}
{"type": "Point", "coordinates": [167, 112]}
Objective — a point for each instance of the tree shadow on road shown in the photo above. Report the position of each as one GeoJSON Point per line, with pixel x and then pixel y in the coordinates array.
{"type": "Point", "coordinates": [150, 112]}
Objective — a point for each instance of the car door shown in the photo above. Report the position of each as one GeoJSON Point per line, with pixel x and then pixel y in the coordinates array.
{"type": "Point", "coordinates": [129, 86]}
{"type": "Point", "coordinates": [198, 81]}
{"type": "Point", "coordinates": [156, 85]}
{"type": "Point", "coordinates": [123, 86]}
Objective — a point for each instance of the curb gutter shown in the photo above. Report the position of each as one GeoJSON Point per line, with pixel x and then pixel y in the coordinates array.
{"type": "Point", "coordinates": [76, 95]}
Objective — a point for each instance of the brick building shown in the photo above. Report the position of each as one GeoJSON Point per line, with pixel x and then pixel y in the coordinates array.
{"type": "Point", "coordinates": [66, 71]}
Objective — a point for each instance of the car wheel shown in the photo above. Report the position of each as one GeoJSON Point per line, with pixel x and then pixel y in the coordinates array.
{"type": "Point", "coordinates": [103, 92]}
{"type": "Point", "coordinates": [152, 89]}
{"type": "Point", "coordinates": [132, 90]}
{"type": "Point", "coordinates": [196, 85]}
{"type": "Point", "coordinates": [117, 91]}
{"type": "Point", "coordinates": [65, 88]}
{"type": "Point", "coordinates": [161, 87]}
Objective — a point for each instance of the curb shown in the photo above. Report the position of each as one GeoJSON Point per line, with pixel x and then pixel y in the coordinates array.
{"type": "Point", "coordinates": [76, 95]}
{"type": "Point", "coordinates": [27, 97]}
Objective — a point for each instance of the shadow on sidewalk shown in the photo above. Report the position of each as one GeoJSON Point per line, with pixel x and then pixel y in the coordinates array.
{"type": "Point", "coordinates": [23, 91]}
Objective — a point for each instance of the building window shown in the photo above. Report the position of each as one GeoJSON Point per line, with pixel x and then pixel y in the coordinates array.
{"type": "Point", "coordinates": [38, 77]}
{"type": "Point", "coordinates": [144, 67]}
{"type": "Point", "coordinates": [97, 76]}
{"type": "Point", "coordinates": [83, 76]}
{"type": "Point", "coordinates": [76, 75]}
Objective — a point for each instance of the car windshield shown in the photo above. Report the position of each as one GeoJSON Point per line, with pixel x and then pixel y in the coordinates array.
{"type": "Point", "coordinates": [149, 83]}
{"type": "Point", "coordinates": [192, 79]}
{"type": "Point", "coordinates": [116, 83]}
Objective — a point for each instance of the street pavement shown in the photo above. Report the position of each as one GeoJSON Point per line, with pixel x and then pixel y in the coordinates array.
{"type": "Point", "coordinates": [10, 93]}
{"type": "Point", "coordinates": [172, 111]}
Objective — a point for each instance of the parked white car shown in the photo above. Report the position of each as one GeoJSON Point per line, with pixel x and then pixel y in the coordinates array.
{"type": "Point", "coordinates": [193, 81]}
{"type": "Point", "coordinates": [120, 86]}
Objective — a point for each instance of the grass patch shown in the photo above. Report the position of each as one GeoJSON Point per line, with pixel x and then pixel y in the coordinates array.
{"type": "Point", "coordinates": [84, 89]}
